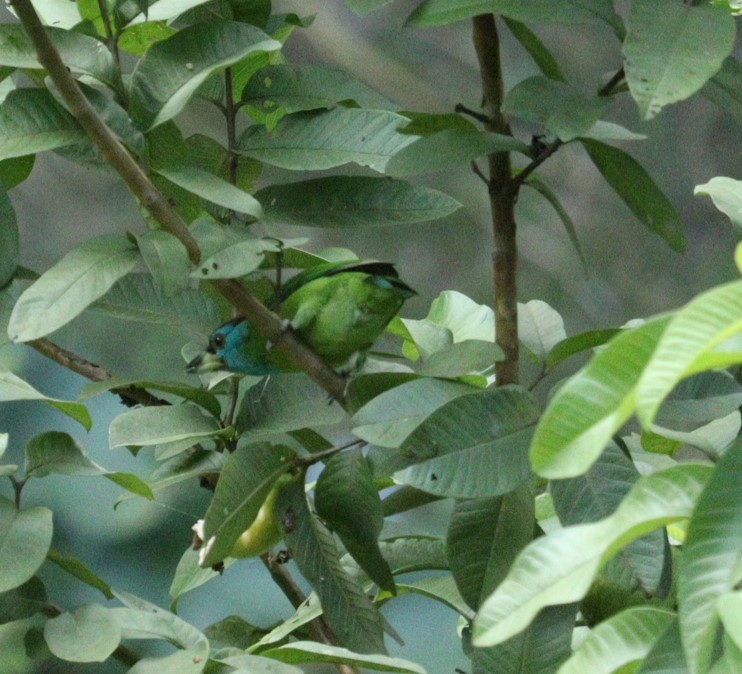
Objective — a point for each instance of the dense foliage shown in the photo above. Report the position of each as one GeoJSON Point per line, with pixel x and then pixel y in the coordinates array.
{"type": "Point", "coordinates": [601, 532]}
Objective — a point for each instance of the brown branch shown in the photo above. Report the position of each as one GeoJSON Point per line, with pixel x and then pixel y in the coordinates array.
{"type": "Point", "coordinates": [502, 201]}
{"type": "Point", "coordinates": [268, 324]}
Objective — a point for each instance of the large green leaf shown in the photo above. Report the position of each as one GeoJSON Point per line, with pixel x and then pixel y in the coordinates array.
{"type": "Point", "coordinates": [295, 88]}
{"type": "Point", "coordinates": [244, 483]}
{"type": "Point", "coordinates": [15, 388]}
{"type": "Point", "coordinates": [559, 568]}
{"type": "Point", "coordinates": [540, 328]}
{"type": "Point", "coordinates": [590, 407]}
{"type": "Point", "coordinates": [81, 53]}
{"type": "Point", "coordinates": [8, 238]}
{"type": "Point", "coordinates": [65, 290]}
{"type": "Point", "coordinates": [349, 613]}
{"type": "Point", "coordinates": [622, 640]}
{"type": "Point", "coordinates": [472, 447]}
{"type": "Point", "coordinates": [710, 563]}
{"type": "Point", "coordinates": [353, 201]}
{"type": "Point", "coordinates": [666, 655]}
{"type": "Point", "coordinates": [23, 602]}
{"type": "Point", "coordinates": [437, 12]}
{"type": "Point", "coordinates": [25, 537]}
{"type": "Point", "coordinates": [167, 260]}
{"type": "Point", "coordinates": [171, 70]}
{"type": "Point", "coordinates": [444, 150]}
{"type": "Point", "coordinates": [661, 57]}
{"type": "Point", "coordinates": [88, 634]}
{"type": "Point", "coordinates": [563, 110]}
{"type": "Point", "coordinates": [704, 323]}
{"type": "Point", "coordinates": [638, 191]}
{"type": "Point", "coordinates": [322, 140]}
{"type": "Point", "coordinates": [154, 425]}
{"type": "Point", "coordinates": [726, 193]}
{"type": "Point", "coordinates": [725, 88]}
{"type": "Point", "coordinates": [347, 500]}
{"type": "Point", "coordinates": [32, 121]}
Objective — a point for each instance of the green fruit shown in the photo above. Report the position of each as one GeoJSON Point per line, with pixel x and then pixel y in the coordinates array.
{"type": "Point", "coordinates": [264, 532]}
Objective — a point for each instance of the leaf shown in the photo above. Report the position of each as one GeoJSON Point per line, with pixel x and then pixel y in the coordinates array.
{"type": "Point", "coordinates": [661, 58]}
{"type": "Point", "coordinates": [212, 188]}
{"type": "Point", "coordinates": [365, 6]}
{"type": "Point", "coordinates": [25, 536]}
{"type": "Point", "coordinates": [438, 12]}
{"type": "Point", "coordinates": [666, 655]}
{"type": "Point", "coordinates": [726, 193]}
{"type": "Point", "coordinates": [70, 286]}
{"type": "Point", "coordinates": [171, 70]}
{"type": "Point", "coordinates": [257, 664]}
{"type": "Point", "coordinates": [56, 452]}
{"type": "Point", "coordinates": [730, 610]}
{"type": "Point", "coordinates": [167, 260]}
{"type": "Point", "coordinates": [537, 50]}
{"type": "Point", "coordinates": [155, 425]}
{"type": "Point", "coordinates": [22, 602]}
{"type": "Point", "coordinates": [638, 191]}
{"type": "Point", "coordinates": [472, 447]}
{"type": "Point", "coordinates": [247, 477]}
{"type": "Point", "coordinates": [725, 87]}
{"type": "Point", "coordinates": [353, 201]}
{"type": "Point", "coordinates": [31, 121]}
{"type": "Point", "coordinates": [704, 323]}
{"type": "Point", "coordinates": [349, 613]}
{"type": "Point", "coordinates": [88, 634]}
{"type": "Point", "coordinates": [322, 140]}
{"type": "Point", "coordinates": [154, 10]}
{"type": "Point", "coordinates": [189, 575]}
{"type": "Point", "coordinates": [579, 343]}
{"type": "Point", "coordinates": [79, 570]}
{"type": "Point", "coordinates": [14, 171]}
{"type": "Point", "coordinates": [559, 568]}
{"type": "Point", "coordinates": [622, 640]}
{"type": "Point", "coordinates": [14, 388]}
{"type": "Point", "coordinates": [237, 259]}
{"type": "Point", "coordinates": [440, 151]}
{"type": "Point", "coordinates": [286, 403]}
{"type": "Point", "coordinates": [540, 328]}
{"type": "Point", "coordinates": [296, 88]}
{"type": "Point", "coordinates": [347, 500]}
{"type": "Point", "coordinates": [440, 588]}
{"type": "Point", "coordinates": [8, 238]}
{"type": "Point", "coordinates": [710, 564]}
{"type": "Point", "coordinates": [312, 652]}
{"type": "Point", "coordinates": [584, 413]}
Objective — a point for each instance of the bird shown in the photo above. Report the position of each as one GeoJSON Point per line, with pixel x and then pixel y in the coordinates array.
{"type": "Point", "coordinates": [336, 309]}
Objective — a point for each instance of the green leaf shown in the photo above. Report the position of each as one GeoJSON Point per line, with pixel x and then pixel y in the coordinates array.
{"type": "Point", "coordinates": [349, 613]}
{"type": "Point", "coordinates": [285, 403]}
{"type": "Point", "coordinates": [134, 11]}
{"type": "Point", "coordinates": [32, 121]}
{"type": "Point", "coordinates": [189, 575]}
{"type": "Point", "coordinates": [79, 570]}
{"type": "Point", "coordinates": [584, 413]}
{"type": "Point", "coordinates": [540, 328]}
{"type": "Point", "coordinates": [704, 323]}
{"type": "Point", "coordinates": [710, 564]}
{"type": "Point", "coordinates": [353, 201]}
{"type": "Point", "coordinates": [622, 640]}
{"type": "Point", "coordinates": [347, 500]}
{"type": "Point", "coordinates": [247, 477]}
{"type": "Point", "coordinates": [70, 286]}
{"type": "Point", "coordinates": [560, 567]}
{"type": "Point", "coordinates": [14, 388]}
{"type": "Point", "coordinates": [88, 634]}
{"type": "Point", "coordinates": [155, 425]}
{"type": "Point", "coordinates": [472, 447]}
{"type": "Point", "coordinates": [725, 88]}
{"type": "Point", "coordinates": [439, 588]}
{"type": "Point", "coordinates": [171, 70]}
{"type": "Point", "coordinates": [132, 483]}
{"type": "Point", "coordinates": [322, 140]}
{"type": "Point", "coordinates": [563, 110]}
{"type": "Point", "coordinates": [365, 6]}
{"type": "Point", "coordinates": [22, 602]}
{"type": "Point", "coordinates": [638, 191]}
{"type": "Point", "coordinates": [25, 537]}
{"type": "Point", "coordinates": [56, 452]}
{"type": "Point", "coordinates": [212, 188]}
{"type": "Point", "coordinates": [661, 57]}
{"type": "Point", "coordinates": [440, 151]}
{"type": "Point", "coordinates": [537, 50]}
{"type": "Point", "coordinates": [438, 12]}
{"type": "Point", "coordinates": [312, 652]}
{"type": "Point", "coordinates": [579, 343]}
{"type": "Point", "coordinates": [296, 88]}
{"type": "Point", "coordinates": [666, 655]}
{"type": "Point", "coordinates": [137, 39]}
{"type": "Point", "coordinates": [430, 123]}
{"type": "Point", "coordinates": [167, 260]}
{"type": "Point", "coordinates": [726, 193]}
{"type": "Point", "coordinates": [730, 610]}
{"type": "Point", "coordinates": [14, 171]}
{"type": "Point", "coordinates": [8, 238]}
{"type": "Point", "coordinates": [81, 53]}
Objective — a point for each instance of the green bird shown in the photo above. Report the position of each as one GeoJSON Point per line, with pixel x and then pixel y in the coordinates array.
{"type": "Point", "coordinates": [337, 309]}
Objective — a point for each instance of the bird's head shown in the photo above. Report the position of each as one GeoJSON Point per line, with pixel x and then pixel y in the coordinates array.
{"type": "Point", "coordinates": [227, 351]}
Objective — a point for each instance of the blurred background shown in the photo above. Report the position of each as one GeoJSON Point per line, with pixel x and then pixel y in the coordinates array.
{"type": "Point", "coordinates": [632, 273]}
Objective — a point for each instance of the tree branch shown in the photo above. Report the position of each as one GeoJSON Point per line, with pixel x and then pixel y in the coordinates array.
{"type": "Point", "coordinates": [502, 194]}
{"type": "Point", "coordinates": [268, 324]}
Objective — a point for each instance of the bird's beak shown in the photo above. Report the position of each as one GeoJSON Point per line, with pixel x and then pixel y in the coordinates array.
{"type": "Point", "coordinates": [205, 362]}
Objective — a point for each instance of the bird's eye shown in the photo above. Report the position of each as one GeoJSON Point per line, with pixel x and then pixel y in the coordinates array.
{"type": "Point", "coordinates": [218, 341]}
